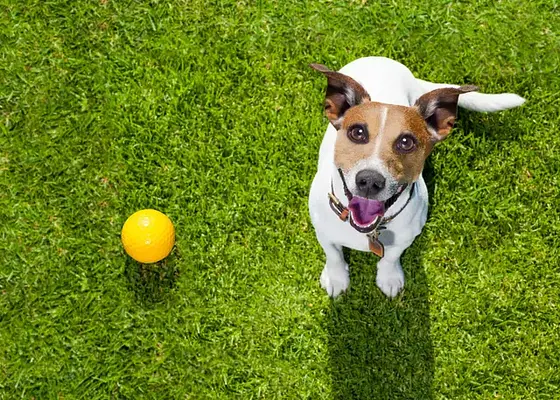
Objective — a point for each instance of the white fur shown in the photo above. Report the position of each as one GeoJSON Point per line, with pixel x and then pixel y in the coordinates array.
{"type": "Point", "coordinates": [379, 136]}
{"type": "Point", "coordinates": [386, 81]}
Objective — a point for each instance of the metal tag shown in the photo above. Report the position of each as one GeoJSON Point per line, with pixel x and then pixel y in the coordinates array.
{"type": "Point", "coordinates": [375, 245]}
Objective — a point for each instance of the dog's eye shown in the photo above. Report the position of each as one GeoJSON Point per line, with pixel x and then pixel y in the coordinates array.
{"type": "Point", "coordinates": [405, 143]}
{"type": "Point", "coordinates": [358, 134]}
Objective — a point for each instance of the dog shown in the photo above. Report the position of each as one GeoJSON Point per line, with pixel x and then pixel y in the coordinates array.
{"type": "Point", "coordinates": [368, 193]}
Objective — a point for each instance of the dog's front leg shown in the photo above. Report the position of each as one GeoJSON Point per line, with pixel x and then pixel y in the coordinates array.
{"type": "Point", "coordinates": [390, 275]}
{"type": "Point", "coordinates": [335, 277]}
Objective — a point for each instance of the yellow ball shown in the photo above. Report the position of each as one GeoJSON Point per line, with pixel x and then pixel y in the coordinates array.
{"type": "Point", "coordinates": [148, 236]}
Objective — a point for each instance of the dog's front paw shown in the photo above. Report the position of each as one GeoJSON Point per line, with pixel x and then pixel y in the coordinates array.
{"type": "Point", "coordinates": [335, 280]}
{"type": "Point", "coordinates": [390, 278]}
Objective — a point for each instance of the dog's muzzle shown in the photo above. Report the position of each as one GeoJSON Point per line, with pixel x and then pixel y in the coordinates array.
{"type": "Point", "coordinates": [366, 215]}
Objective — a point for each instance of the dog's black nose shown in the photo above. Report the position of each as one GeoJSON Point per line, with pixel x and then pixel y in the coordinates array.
{"type": "Point", "coordinates": [369, 182]}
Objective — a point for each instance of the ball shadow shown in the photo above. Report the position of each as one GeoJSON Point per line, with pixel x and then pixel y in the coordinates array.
{"type": "Point", "coordinates": [151, 283]}
{"type": "Point", "coordinates": [381, 348]}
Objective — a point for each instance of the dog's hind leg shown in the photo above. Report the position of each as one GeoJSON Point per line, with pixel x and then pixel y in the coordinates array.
{"type": "Point", "coordinates": [335, 277]}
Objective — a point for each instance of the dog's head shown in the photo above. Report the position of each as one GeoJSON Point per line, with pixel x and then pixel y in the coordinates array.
{"type": "Point", "coordinates": [380, 148]}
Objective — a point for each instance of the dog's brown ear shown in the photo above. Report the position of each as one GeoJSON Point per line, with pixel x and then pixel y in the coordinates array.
{"type": "Point", "coordinates": [439, 109]}
{"type": "Point", "coordinates": [343, 92]}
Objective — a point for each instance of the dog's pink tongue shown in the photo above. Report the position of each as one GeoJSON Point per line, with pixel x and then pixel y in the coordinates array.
{"type": "Point", "coordinates": [364, 211]}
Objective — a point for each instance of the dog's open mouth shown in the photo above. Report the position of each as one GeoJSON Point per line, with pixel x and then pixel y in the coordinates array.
{"type": "Point", "coordinates": [365, 211]}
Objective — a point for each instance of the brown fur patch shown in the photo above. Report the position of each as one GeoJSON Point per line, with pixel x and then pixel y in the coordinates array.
{"type": "Point", "coordinates": [385, 123]}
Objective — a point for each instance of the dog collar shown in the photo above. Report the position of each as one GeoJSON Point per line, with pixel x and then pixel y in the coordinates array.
{"type": "Point", "coordinates": [371, 231]}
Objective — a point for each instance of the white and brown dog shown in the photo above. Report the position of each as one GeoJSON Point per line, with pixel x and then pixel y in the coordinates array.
{"type": "Point", "coordinates": [368, 193]}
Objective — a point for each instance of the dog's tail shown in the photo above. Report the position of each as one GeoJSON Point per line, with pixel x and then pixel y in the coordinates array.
{"type": "Point", "coordinates": [475, 101]}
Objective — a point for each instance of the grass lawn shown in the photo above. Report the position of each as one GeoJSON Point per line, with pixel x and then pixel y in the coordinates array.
{"type": "Point", "coordinates": [208, 112]}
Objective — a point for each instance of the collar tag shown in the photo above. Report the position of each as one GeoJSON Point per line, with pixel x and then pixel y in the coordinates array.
{"type": "Point", "coordinates": [375, 245]}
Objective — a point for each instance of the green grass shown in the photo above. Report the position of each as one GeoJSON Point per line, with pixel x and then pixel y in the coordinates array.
{"type": "Point", "coordinates": [208, 112]}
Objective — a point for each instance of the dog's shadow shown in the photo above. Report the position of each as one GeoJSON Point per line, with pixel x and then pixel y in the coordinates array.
{"type": "Point", "coordinates": [381, 348]}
